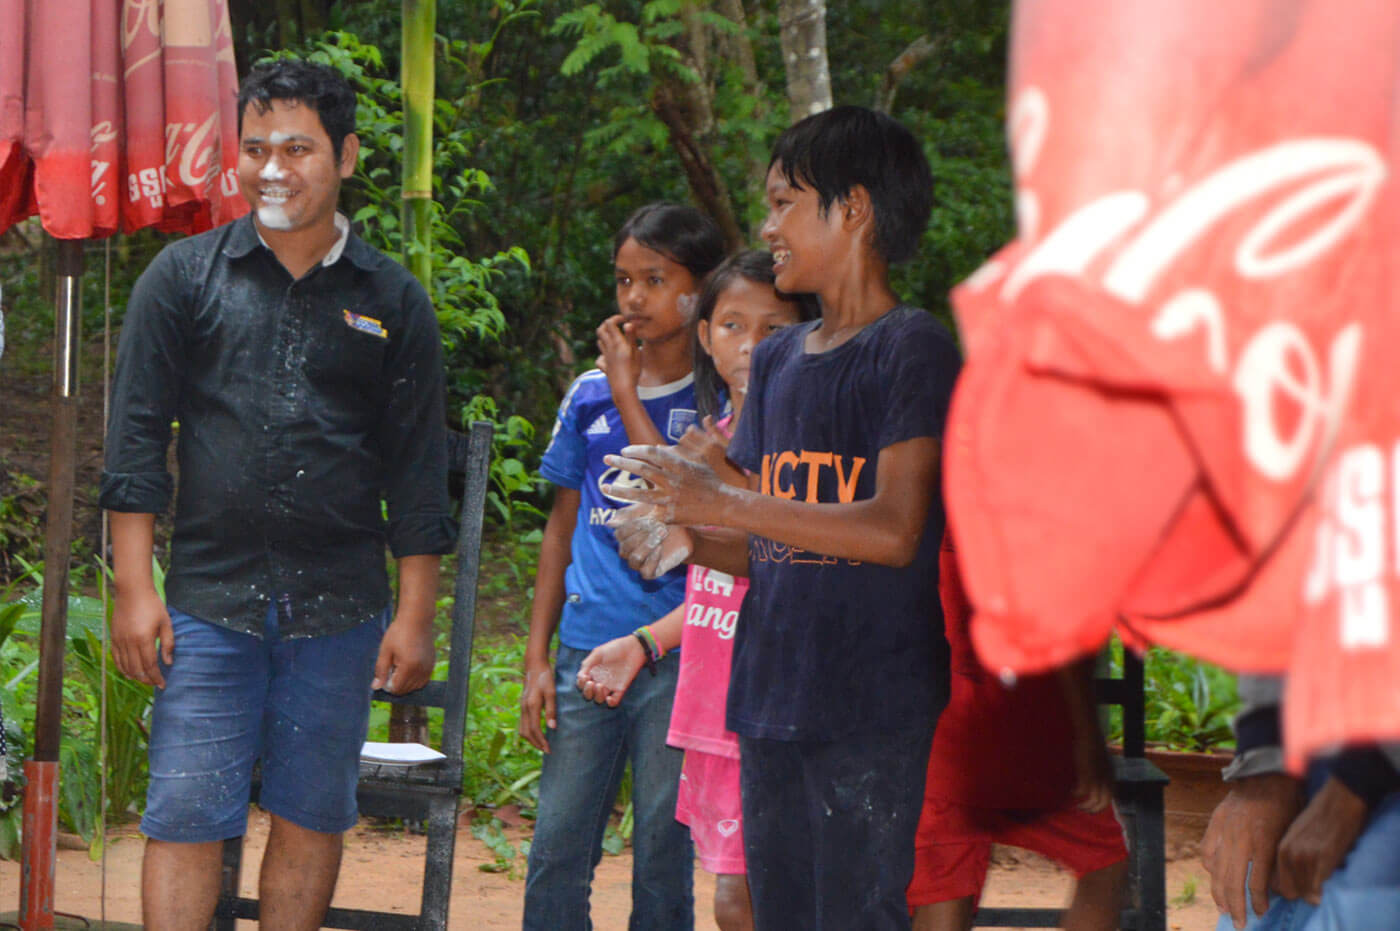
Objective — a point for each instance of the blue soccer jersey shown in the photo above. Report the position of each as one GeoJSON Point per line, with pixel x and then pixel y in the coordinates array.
{"type": "Point", "coordinates": [605, 598]}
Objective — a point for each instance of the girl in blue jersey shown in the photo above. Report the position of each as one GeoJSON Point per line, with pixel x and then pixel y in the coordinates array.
{"type": "Point", "coordinates": [585, 591]}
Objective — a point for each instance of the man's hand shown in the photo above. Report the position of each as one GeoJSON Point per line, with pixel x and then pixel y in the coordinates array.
{"type": "Point", "coordinates": [536, 698]}
{"type": "Point", "coordinates": [649, 546]}
{"type": "Point", "coordinates": [140, 621]}
{"type": "Point", "coordinates": [1318, 841]}
{"type": "Point", "coordinates": [607, 672]}
{"type": "Point", "coordinates": [406, 654]}
{"type": "Point", "coordinates": [1246, 828]}
{"type": "Point", "coordinates": [618, 355]}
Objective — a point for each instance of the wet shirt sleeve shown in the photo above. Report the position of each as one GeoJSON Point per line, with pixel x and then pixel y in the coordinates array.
{"type": "Point", "coordinates": [413, 435]}
{"type": "Point", "coordinates": [145, 390]}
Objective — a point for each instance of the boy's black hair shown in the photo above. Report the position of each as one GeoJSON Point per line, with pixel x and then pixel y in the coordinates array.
{"type": "Point", "coordinates": [833, 151]}
{"type": "Point", "coordinates": [752, 265]}
{"type": "Point", "coordinates": [682, 234]}
{"type": "Point", "coordinates": [319, 87]}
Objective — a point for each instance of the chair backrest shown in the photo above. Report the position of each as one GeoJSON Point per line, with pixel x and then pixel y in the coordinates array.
{"type": "Point", "coordinates": [1126, 691]}
{"type": "Point", "coordinates": [468, 455]}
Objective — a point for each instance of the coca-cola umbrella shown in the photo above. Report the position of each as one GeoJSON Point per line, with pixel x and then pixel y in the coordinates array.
{"type": "Point", "coordinates": [1190, 325]}
{"type": "Point", "coordinates": [114, 114]}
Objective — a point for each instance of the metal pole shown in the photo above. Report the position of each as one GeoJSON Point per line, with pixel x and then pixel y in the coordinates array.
{"type": "Point", "coordinates": [40, 805]}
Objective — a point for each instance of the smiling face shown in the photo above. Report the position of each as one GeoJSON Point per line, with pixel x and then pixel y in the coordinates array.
{"type": "Point", "coordinates": [649, 286]}
{"type": "Point", "coordinates": [745, 313]}
{"type": "Point", "coordinates": [287, 169]}
{"type": "Point", "coordinates": [806, 244]}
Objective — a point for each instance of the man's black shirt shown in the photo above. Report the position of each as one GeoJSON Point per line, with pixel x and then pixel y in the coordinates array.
{"type": "Point", "coordinates": [301, 406]}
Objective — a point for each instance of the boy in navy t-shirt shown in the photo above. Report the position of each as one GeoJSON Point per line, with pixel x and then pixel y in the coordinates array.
{"type": "Point", "coordinates": [840, 665]}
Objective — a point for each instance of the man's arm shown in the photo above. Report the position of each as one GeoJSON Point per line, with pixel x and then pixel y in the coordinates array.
{"type": "Point", "coordinates": [406, 653]}
{"type": "Point", "coordinates": [884, 529]}
{"type": "Point", "coordinates": [537, 697]}
{"type": "Point", "coordinates": [140, 620]}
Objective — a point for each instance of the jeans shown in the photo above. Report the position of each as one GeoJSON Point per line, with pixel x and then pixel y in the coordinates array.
{"type": "Point", "coordinates": [578, 785]}
{"type": "Point", "coordinates": [1362, 895]}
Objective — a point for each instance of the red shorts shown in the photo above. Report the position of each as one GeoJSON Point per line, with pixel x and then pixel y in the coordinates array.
{"type": "Point", "coordinates": [954, 844]}
{"type": "Point", "coordinates": [708, 802]}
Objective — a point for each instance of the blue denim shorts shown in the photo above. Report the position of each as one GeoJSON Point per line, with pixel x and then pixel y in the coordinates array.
{"type": "Point", "coordinates": [300, 706]}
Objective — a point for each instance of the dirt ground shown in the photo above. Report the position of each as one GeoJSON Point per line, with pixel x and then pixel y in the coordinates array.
{"type": "Point", "coordinates": [383, 870]}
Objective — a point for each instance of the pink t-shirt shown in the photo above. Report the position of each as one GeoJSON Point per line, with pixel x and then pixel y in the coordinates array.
{"type": "Point", "coordinates": [712, 600]}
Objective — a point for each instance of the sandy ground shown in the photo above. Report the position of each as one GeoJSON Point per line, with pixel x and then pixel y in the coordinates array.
{"type": "Point", "coordinates": [383, 870]}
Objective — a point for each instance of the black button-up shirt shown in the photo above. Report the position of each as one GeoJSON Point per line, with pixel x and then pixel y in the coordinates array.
{"type": "Point", "coordinates": [308, 410]}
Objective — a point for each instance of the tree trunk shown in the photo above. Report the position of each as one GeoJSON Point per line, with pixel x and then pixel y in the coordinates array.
{"type": "Point", "coordinates": [739, 48]}
{"type": "Point", "coordinates": [919, 50]}
{"type": "Point", "coordinates": [671, 106]}
{"type": "Point", "coordinates": [409, 723]}
{"type": "Point", "coordinates": [802, 30]}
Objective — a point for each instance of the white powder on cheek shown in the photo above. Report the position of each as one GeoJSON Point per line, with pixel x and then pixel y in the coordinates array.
{"type": "Point", "coordinates": [687, 305]}
{"type": "Point", "coordinates": [274, 217]}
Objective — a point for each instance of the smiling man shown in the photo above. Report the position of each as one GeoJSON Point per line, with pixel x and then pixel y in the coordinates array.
{"type": "Point", "coordinates": [304, 369]}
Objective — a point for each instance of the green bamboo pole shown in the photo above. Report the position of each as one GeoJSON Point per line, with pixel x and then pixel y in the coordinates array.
{"type": "Point", "coordinates": [409, 723]}
{"type": "Point", "coordinates": [419, 26]}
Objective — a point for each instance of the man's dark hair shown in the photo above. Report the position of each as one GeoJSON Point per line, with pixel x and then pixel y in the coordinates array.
{"type": "Point", "coordinates": [682, 234]}
{"type": "Point", "coordinates": [833, 151]}
{"type": "Point", "coordinates": [319, 87]}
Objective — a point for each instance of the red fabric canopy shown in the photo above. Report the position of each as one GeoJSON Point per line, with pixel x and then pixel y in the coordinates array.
{"type": "Point", "coordinates": [104, 125]}
{"type": "Point", "coordinates": [1187, 335]}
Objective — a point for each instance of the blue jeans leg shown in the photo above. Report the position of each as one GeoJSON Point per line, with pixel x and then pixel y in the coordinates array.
{"type": "Point", "coordinates": [1281, 915]}
{"type": "Point", "coordinates": [579, 782]}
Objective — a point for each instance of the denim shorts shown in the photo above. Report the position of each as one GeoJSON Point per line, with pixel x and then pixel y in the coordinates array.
{"type": "Point", "coordinates": [301, 706]}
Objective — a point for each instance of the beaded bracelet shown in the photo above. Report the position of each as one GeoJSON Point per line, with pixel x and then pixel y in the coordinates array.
{"type": "Point", "coordinates": [650, 647]}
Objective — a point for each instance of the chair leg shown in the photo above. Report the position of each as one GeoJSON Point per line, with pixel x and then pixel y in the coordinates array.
{"type": "Point", "coordinates": [228, 882]}
{"type": "Point", "coordinates": [1151, 861]}
{"type": "Point", "coordinates": [437, 869]}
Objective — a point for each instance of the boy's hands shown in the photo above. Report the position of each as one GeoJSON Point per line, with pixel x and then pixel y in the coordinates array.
{"type": "Point", "coordinates": [707, 444]}
{"type": "Point", "coordinates": [406, 654]}
{"type": "Point", "coordinates": [536, 698]}
{"type": "Point", "coordinates": [650, 546]}
{"type": "Point", "coordinates": [607, 672]}
{"type": "Point", "coordinates": [1246, 827]}
{"type": "Point", "coordinates": [618, 355]}
{"type": "Point", "coordinates": [681, 490]}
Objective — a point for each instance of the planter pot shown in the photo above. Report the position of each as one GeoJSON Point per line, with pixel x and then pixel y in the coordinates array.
{"type": "Point", "coordinates": [1194, 791]}
{"type": "Point", "coordinates": [1191, 795]}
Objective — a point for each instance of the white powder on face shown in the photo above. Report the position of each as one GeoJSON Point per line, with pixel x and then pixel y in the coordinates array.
{"type": "Point", "coordinates": [274, 217]}
{"type": "Point", "coordinates": [272, 171]}
{"type": "Point", "coordinates": [687, 305]}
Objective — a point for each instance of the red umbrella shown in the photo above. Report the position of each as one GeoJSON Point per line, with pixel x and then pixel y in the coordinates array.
{"type": "Point", "coordinates": [112, 115]}
{"type": "Point", "coordinates": [1188, 328]}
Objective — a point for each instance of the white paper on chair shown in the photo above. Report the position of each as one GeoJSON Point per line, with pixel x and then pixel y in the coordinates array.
{"type": "Point", "coordinates": [411, 754]}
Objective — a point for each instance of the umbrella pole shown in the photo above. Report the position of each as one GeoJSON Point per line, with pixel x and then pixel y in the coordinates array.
{"type": "Point", "coordinates": [41, 772]}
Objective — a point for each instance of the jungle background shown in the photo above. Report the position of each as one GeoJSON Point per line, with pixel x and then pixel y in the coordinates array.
{"type": "Point", "coordinates": [553, 121]}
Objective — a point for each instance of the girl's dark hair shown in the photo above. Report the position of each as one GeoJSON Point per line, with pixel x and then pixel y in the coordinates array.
{"type": "Point", "coordinates": [751, 265]}
{"type": "Point", "coordinates": [682, 234]}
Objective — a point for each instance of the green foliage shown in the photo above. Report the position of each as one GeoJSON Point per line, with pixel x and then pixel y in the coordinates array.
{"type": "Point", "coordinates": [1189, 704]}
{"type": "Point", "coordinates": [21, 524]}
{"type": "Point", "coordinates": [510, 858]}
{"type": "Point", "coordinates": [513, 482]}
{"type": "Point", "coordinates": [500, 768]}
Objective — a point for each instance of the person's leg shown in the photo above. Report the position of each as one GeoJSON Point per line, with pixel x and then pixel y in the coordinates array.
{"type": "Point", "coordinates": [314, 725]}
{"type": "Point", "coordinates": [1367, 884]}
{"type": "Point", "coordinates": [1098, 899]}
{"type": "Point", "coordinates": [179, 885]}
{"type": "Point", "coordinates": [578, 784]}
{"type": "Point", "coordinates": [663, 868]}
{"type": "Point", "coordinates": [733, 908]}
{"type": "Point", "coordinates": [205, 734]}
{"type": "Point", "coordinates": [951, 915]}
{"type": "Point", "coordinates": [777, 835]}
{"type": "Point", "coordinates": [299, 870]}
{"type": "Point", "coordinates": [869, 793]}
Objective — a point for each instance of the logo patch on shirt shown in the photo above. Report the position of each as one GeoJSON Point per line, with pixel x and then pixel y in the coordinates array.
{"type": "Point", "coordinates": [599, 426]}
{"type": "Point", "coordinates": [365, 324]}
{"type": "Point", "coordinates": [680, 420]}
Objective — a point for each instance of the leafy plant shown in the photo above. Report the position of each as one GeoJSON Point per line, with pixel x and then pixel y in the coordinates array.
{"type": "Point", "coordinates": [513, 483]}
{"type": "Point", "coordinates": [510, 858]}
{"type": "Point", "coordinates": [1188, 705]}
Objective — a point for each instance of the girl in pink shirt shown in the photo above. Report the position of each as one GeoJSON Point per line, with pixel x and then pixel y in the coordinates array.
{"type": "Point", "coordinates": [737, 308]}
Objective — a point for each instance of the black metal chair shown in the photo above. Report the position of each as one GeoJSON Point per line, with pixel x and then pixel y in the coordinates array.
{"type": "Point", "coordinates": [1138, 788]}
{"type": "Point", "coordinates": [427, 793]}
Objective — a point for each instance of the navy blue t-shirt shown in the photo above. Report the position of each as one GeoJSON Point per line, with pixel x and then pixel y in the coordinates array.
{"type": "Point", "coordinates": [829, 648]}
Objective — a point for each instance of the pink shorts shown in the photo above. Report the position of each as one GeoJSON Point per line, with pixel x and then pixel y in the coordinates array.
{"type": "Point", "coordinates": [708, 801]}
